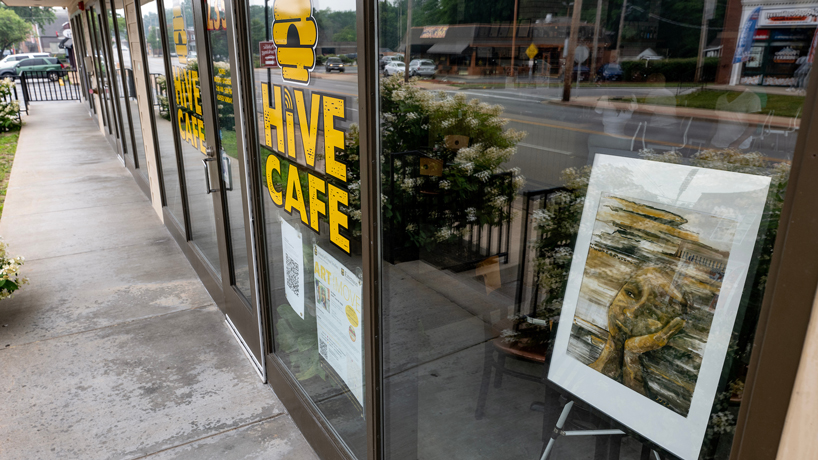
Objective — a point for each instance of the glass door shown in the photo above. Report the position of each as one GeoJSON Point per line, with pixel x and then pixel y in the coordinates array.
{"type": "Point", "coordinates": [220, 57]}
{"type": "Point", "coordinates": [103, 66]}
{"type": "Point", "coordinates": [206, 114]}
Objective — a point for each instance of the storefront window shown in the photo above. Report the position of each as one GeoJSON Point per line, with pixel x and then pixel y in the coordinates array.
{"type": "Point", "coordinates": [231, 147]}
{"type": "Point", "coordinates": [579, 208]}
{"type": "Point", "coordinates": [127, 89]}
{"type": "Point", "coordinates": [306, 113]}
{"type": "Point", "coordinates": [183, 87]}
{"type": "Point", "coordinates": [158, 85]}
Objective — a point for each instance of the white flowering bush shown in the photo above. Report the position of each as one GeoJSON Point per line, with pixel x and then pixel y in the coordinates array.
{"type": "Point", "coordinates": [10, 278]}
{"type": "Point", "coordinates": [475, 187]}
{"type": "Point", "coordinates": [9, 109]}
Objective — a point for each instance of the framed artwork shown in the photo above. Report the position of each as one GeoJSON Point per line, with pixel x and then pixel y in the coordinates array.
{"type": "Point", "coordinates": [653, 291]}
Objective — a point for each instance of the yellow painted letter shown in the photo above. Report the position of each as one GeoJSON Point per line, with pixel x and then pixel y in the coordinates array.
{"type": "Point", "coordinates": [337, 218]}
{"type": "Point", "coordinates": [297, 202]}
{"type": "Point", "coordinates": [308, 126]}
{"type": "Point", "coordinates": [333, 107]}
{"type": "Point", "coordinates": [316, 206]}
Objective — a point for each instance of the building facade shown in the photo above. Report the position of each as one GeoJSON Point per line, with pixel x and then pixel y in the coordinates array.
{"type": "Point", "coordinates": [484, 263]}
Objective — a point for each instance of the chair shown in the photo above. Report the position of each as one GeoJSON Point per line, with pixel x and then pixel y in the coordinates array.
{"type": "Point", "coordinates": [495, 343]}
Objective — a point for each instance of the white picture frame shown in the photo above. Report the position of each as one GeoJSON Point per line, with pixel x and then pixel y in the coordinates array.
{"type": "Point", "coordinates": [731, 196]}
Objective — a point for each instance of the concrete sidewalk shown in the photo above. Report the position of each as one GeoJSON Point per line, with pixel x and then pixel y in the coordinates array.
{"type": "Point", "coordinates": [115, 350]}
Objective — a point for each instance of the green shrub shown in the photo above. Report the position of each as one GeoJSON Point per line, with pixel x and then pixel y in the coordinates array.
{"type": "Point", "coordinates": [677, 70]}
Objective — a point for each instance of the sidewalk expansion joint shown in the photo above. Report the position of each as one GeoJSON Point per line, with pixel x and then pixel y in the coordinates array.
{"type": "Point", "coordinates": [266, 419]}
{"type": "Point", "coordinates": [123, 323]}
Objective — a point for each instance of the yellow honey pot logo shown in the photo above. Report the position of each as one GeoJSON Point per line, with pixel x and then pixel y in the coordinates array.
{"type": "Point", "coordinates": [295, 35]}
{"type": "Point", "coordinates": [179, 33]}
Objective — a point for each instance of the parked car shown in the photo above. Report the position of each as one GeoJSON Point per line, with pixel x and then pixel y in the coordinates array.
{"type": "Point", "coordinates": [422, 67]}
{"type": "Point", "coordinates": [352, 56]}
{"type": "Point", "coordinates": [584, 73]}
{"type": "Point", "coordinates": [387, 59]}
{"type": "Point", "coordinates": [49, 67]}
{"type": "Point", "coordinates": [394, 67]}
{"type": "Point", "coordinates": [334, 63]}
{"type": "Point", "coordinates": [609, 72]}
{"type": "Point", "coordinates": [8, 62]}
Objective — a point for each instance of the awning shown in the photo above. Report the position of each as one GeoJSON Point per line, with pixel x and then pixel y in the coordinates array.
{"type": "Point", "coordinates": [448, 48]}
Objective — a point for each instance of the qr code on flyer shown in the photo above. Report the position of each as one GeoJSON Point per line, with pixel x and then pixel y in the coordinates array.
{"type": "Point", "coordinates": [292, 274]}
{"type": "Point", "coordinates": [322, 348]}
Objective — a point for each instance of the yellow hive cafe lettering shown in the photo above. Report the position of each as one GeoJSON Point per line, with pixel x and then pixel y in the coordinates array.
{"type": "Point", "coordinates": [279, 121]}
{"type": "Point", "coordinates": [189, 106]}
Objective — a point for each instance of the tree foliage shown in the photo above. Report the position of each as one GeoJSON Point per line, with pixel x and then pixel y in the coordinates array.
{"type": "Point", "coordinates": [13, 30]}
{"type": "Point", "coordinates": [40, 16]}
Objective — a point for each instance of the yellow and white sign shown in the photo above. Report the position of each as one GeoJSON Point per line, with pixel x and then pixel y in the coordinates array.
{"type": "Point", "coordinates": [295, 34]}
{"type": "Point", "coordinates": [531, 51]}
{"type": "Point", "coordinates": [338, 293]}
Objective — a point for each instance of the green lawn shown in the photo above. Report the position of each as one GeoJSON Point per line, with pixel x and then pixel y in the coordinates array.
{"type": "Point", "coordinates": [784, 105]}
{"type": "Point", "coordinates": [229, 143]}
{"type": "Point", "coordinates": [8, 147]}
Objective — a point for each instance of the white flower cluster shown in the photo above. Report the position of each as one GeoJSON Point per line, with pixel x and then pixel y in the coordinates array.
{"type": "Point", "coordinates": [10, 272]}
{"type": "Point", "coordinates": [444, 234]}
{"type": "Point", "coordinates": [670, 156]}
{"type": "Point", "coordinates": [722, 422]}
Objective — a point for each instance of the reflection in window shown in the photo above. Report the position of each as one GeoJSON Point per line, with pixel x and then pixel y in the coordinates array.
{"type": "Point", "coordinates": [562, 189]}
{"type": "Point", "coordinates": [308, 165]}
{"type": "Point", "coordinates": [158, 85]}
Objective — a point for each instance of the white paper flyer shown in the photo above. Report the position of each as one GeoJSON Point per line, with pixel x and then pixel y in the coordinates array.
{"type": "Point", "coordinates": [293, 267]}
{"type": "Point", "coordinates": [338, 294]}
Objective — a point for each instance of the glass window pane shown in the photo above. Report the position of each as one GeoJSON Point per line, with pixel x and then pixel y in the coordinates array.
{"type": "Point", "coordinates": [306, 113]}
{"type": "Point", "coordinates": [158, 85]}
{"type": "Point", "coordinates": [128, 100]}
{"type": "Point", "coordinates": [184, 90]}
{"type": "Point", "coordinates": [580, 204]}
{"type": "Point", "coordinates": [116, 70]}
{"type": "Point", "coordinates": [227, 111]}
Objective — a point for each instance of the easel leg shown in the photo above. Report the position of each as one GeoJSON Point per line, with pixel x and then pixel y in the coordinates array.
{"type": "Point", "coordinates": [557, 429]}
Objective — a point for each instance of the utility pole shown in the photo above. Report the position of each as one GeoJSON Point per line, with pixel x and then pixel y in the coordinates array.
{"type": "Point", "coordinates": [596, 37]}
{"type": "Point", "coordinates": [572, 47]}
{"type": "Point", "coordinates": [619, 34]}
{"type": "Point", "coordinates": [407, 56]}
{"type": "Point", "coordinates": [514, 40]}
{"type": "Point", "coordinates": [709, 6]}
{"type": "Point", "coordinates": [39, 42]}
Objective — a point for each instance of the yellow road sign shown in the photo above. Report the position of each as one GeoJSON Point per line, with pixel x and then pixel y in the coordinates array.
{"type": "Point", "coordinates": [531, 51]}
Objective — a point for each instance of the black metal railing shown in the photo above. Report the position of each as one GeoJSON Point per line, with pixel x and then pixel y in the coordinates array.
{"type": "Point", "coordinates": [421, 204]}
{"type": "Point", "coordinates": [52, 85]}
{"type": "Point", "coordinates": [528, 275]}
{"type": "Point", "coordinates": [159, 88]}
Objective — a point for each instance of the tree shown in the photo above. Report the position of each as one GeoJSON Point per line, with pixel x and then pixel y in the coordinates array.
{"type": "Point", "coordinates": [153, 40]}
{"type": "Point", "coordinates": [13, 30]}
{"type": "Point", "coordinates": [41, 16]}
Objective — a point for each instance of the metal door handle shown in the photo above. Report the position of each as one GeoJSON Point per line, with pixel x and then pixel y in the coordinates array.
{"type": "Point", "coordinates": [207, 176]}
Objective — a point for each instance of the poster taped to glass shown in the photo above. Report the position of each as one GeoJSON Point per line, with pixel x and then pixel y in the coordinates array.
{"type": "Point", "coordinates": [338, 293]}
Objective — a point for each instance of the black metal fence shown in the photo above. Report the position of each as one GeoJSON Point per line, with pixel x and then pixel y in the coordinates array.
{"type": "Point", "coordinates": [159, 88]}
{"type": "Point", "coordinates": [53, 85]}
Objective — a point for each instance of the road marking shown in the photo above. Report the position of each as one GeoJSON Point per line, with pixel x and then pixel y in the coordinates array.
{"type": "Point", "coordinates": [539, 147]}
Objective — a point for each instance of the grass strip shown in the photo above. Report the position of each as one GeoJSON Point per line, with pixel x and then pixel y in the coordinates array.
{"type": "Point", "coordinates": [8, 147]}
{"type": "Point", "coordinates": [784, 105]}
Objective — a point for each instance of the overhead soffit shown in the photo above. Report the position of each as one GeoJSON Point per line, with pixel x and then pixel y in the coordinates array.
{"type": "Point", "coordinates": [56, 3]}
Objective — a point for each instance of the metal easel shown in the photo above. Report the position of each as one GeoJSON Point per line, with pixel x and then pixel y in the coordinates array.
{"type": "Point", "coordinates": [558, 431]}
